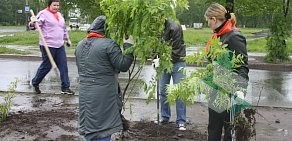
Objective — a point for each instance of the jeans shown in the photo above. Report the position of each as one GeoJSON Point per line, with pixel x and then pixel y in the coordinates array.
{"type": "Point", "coordinates": [180, 106]}
{"type": "Point", "coordinates": [59, 56]}
{"type": "Point", "coordinates": [108, 138]}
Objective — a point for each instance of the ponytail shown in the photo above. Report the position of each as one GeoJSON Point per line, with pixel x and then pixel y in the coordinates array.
{"type": "Point", "coordinates": [233, 19]}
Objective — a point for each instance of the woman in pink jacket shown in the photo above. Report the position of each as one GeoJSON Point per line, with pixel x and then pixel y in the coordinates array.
{"type": "Point", "coordinates": [52, 25]}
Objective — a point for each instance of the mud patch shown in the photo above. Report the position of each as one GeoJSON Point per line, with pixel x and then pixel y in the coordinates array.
{"type": "Point", "coordinates": [38, 124]}
{"type": "Point", "coordinates": [60, 125]}
{"type": "Point", "coordinates": [150, 131]}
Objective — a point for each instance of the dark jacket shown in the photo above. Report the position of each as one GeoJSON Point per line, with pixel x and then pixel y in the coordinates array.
{"type": "Point", "coordinates": [99, 60]}
{"type": "Point", "coordinates": [173, 33]}
{"type": "Point", "coordinates": [237, 43]}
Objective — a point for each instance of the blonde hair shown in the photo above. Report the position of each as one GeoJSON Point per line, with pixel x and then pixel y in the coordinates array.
{"type": "Point", "coordinates": [219, 12]}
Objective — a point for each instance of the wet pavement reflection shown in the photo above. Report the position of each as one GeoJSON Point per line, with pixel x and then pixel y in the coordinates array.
{"type": "Point", "coordinates": [266, 88]}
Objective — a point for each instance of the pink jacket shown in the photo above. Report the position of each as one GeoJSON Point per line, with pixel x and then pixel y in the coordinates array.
{"type": "Point", "coordinates": [54, 31]}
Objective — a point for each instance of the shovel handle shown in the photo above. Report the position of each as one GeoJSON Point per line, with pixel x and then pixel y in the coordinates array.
{"type": "Point", "coordinates": [44, 42]}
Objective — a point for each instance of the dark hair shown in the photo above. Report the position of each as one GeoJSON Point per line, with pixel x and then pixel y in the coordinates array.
{"type": "Point", "coordinates": [51, 1]}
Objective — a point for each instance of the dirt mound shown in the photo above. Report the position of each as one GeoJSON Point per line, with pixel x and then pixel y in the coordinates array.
{"type": "Point", "coordinates": [37, 125]}
{"type": "Point", "coordinates": [150, 131]}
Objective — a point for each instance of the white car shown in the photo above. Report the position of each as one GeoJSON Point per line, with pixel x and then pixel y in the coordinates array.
{"type": "Point", "coordinates": [74, 23]}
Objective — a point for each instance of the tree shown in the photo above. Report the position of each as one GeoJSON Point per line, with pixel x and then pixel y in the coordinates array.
{"type": "Point", "coordinates": [144, 22]}
{"type": "Point", "coordinates": [10, 14]}
{"type": "Point", "coordinates": [89, 9]}
{"type": "Point", "coordinates": [279, 28]}
{"type": "Point", "coordinates": [279, 32]}
{"type": "Point", "coordinates": [194, 14]}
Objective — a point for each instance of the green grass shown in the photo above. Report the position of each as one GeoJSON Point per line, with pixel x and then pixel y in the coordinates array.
{"type": "Point", "coordinates": [193, 37]}
{"type": "Point", "coordinates": [15, 27]}
{"type": "Point", "coordinates": [21, 38]}
{"type": "Point", "coordinates": [259, 45]}
{"type": "Point", "coordinates": [32, 38]}
{"type": "Point", "coordinates": [76, 36]}
{"type": "Point", "coordinates": [4, 50]}
{"type": "Point", "coordinates": [199, 37]}
{"type": "Point", "coordinates": [250, 31]}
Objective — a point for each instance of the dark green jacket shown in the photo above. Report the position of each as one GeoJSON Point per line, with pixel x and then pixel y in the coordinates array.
{"type": "Point", "coordinates": [99, 60]}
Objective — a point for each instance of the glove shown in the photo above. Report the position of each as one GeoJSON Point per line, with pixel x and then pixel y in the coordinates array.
{"type": "Point", "coordinates": [68, 43]}
{"type": "Point", "coordinates": [240, 104]}
{"type": "Point", "coordinates": [239, 94]}
{"type": "Point", "coordinates": [155, 63]}
{"type": "Point", "coordinates": [239, 97]}
{"type": "Point", "coordinates": [129, 40]}
{"type": "Point", "coordinates": [33, 19]}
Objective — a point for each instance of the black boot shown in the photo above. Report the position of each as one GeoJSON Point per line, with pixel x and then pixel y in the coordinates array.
{"type": "Point", "coordinates": [67, 91]}
{"type": "Point", "coordinates": [37, 90]}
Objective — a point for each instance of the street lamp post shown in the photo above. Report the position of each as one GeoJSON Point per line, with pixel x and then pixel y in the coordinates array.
{"type": "Point", "coordinates": [26, 10]}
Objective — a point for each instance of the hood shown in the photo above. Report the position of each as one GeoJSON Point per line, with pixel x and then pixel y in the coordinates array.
{"type": "Point", "coordinates": [98, 25]}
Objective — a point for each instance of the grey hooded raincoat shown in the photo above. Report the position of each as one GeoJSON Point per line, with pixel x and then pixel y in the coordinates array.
{"type": "Point", "coordinates": [99, 60]}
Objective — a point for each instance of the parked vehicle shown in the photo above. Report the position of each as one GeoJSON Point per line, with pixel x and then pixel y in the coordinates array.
{"type": "Point", "coordinates": [74, 23]}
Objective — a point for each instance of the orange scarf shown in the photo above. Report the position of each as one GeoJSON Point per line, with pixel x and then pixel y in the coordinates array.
{"type": "Point", "coordinates": [93, 34]}
{"type": "Point", "coordinates": [225, 29]}
{"type": "Point", "coordinates": [54, 13]}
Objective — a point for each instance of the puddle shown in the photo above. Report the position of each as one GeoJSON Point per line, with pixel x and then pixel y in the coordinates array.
{"type": "Point", "coordinates": [270, 88]}
{"type": "Point", "coordinates": [270, 130]}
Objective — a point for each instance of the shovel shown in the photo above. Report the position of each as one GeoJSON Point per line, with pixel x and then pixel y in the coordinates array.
{"type": "Point", "coordinates": [155, 64]}
{"type": "Point", "coordinates": [157, 95]}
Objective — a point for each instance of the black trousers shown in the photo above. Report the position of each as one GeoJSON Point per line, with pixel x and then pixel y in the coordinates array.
{"type": "Point", "coordinates": [218, 121]}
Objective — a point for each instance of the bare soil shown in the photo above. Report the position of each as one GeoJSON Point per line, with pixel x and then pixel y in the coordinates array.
{"type": "Point", "coordinates": [54, 118]}
{"type": "Point", "coordinates": [37, 125]}
{"type": "Point", "coordinates": [49, 119]}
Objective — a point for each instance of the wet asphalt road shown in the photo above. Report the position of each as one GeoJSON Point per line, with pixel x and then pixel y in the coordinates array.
{"type": "Point", "coordinates": [266, 88]}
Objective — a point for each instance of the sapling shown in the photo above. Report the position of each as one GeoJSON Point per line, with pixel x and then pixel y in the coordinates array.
{"type": "Point", "coordinates": [8, 102]}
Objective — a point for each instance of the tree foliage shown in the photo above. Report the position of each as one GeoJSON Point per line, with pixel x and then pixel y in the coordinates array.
{"type": "Point", "coordinates": [9, 12]}
{"type": "Point", "coordinates": [144, 22]}
{"type": "Point", "coordinates": [279, 27]}
{"type": "Point", "coordinates": [89, 9]}
{"type": "Point", "coordinates": [277, 40]}
{"type": "Point", "coordinates": [194, 14]}
{"type": "Point", "coordinates": [216, 75]}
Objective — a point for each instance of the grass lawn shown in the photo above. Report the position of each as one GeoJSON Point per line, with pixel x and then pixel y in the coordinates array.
{"type": "Point", "coordinates": [193, 37]}
{"type": "Point", "coordinates": [4, 50]}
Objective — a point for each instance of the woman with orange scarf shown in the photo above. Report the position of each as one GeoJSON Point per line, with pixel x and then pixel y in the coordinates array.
{"type": "Point", "coordinates": [99, 60]}
{"type": "Point", "coordinates": [223, 25]}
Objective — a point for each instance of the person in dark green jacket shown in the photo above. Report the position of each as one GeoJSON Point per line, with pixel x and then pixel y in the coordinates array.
{"type": "Point", "coordinates": [99, 60]}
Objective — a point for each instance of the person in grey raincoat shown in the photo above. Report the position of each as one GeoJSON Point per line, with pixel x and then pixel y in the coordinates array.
{"type": "Point", "coordinates": [99, 60]}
